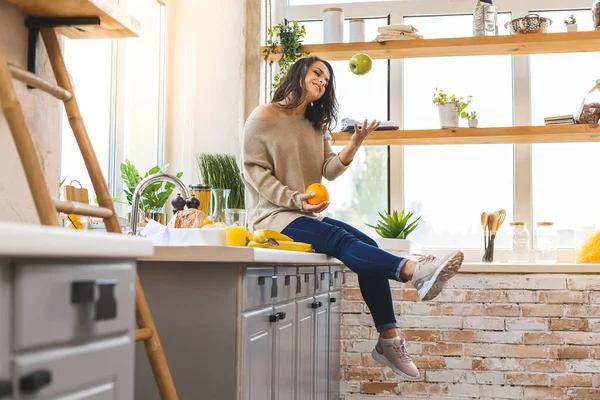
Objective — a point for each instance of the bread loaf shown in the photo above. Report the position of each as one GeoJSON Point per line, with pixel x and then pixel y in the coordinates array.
{"type": "Point", "coordinates": [189, 218]}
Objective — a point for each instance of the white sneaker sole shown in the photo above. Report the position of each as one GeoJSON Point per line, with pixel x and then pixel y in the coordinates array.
{"type": "Point", "coordinates": [444, 272]}
{"type": "Point", "coordinates": [382, 360]}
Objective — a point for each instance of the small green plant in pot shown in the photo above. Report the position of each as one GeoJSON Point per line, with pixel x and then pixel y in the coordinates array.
{"type": "Point", "coordinates": [394, 229]}
{"type": "Point", "coordinates": [471, 117]}
{"type": "Point", "coordinates": [450, 108]}
{"type": "Point", "coordinates": [571, 23]}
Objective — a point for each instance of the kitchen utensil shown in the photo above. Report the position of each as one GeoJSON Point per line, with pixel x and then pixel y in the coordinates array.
{"type": "Point", "coordinates": [484, 225]}
{"type": "Point", "coordinates": [497, 218]}
{"type": "Point", "coordinates": [531, 23]}
{"type": "Point", "coordinates": [485, 19]}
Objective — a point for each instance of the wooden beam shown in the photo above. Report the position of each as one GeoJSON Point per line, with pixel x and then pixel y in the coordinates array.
{"type": "Point", "coordinates": [508, 135]}
{"type": "Point", "coordinates": [541, 43]}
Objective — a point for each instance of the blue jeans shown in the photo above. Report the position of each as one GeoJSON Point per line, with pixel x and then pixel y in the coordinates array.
{"type": "Point", "coordinates": [360, 253]}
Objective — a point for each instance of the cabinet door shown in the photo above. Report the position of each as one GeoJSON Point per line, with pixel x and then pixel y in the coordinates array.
{"type": "Point", "coordinates": [284, 360]}
{"type": "Point", "coordinates": [321, 346]}
{"type": "Point", "coordinates": [334, 345]}
{"type": "Point", "coordinates": [305, 349]}
{"type": "Point", "coordinates": [5, 298]}
{"type": "Point", "coordinates": [257, 355]}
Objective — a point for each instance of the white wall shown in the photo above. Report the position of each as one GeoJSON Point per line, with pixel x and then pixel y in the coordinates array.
{"type": "Point", "coordinates": [42, 113]}
{"type": "Point", "coordinates": [205, 80]}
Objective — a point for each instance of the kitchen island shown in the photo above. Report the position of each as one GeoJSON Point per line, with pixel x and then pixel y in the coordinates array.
{"type": "Point", "coordinates": [243, 323]}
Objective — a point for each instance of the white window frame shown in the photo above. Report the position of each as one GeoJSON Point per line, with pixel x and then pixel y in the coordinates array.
{"type": "Point", "coordinates": [397, 10]}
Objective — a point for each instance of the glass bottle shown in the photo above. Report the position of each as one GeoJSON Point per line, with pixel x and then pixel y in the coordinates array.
{"type": "Point", "coordinates": [520, 243]}
{"type": "Point", "coordinates": [545, 243]}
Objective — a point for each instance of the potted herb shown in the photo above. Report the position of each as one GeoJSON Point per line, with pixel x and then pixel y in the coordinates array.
{"type": "Point", "coordinates": [284, 45]}
{"type": "Point", "coordinates": [450, 108]}
{"type": "Point", "coordinates": [571, 23]}
{"type": "Point", "coordinates": [154, 197]}
{"type": "Point", "coordinates": [394, 230]}
{"type": "Point", "coordinates": [471, 117]}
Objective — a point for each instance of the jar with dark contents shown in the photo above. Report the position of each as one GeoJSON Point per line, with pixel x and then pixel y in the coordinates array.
{"type": "Point", "coordinates": [596, 14]}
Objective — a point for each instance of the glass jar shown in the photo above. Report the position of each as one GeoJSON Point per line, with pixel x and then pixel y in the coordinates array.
{"type": "Point", "coordinates": [545, 243]}
{"type": "Point", "coordinates": [521, 244]}
{"type": "Point", "coordinates": [203, 193]}
{"type": "Point", "coordinates": [596, 14]}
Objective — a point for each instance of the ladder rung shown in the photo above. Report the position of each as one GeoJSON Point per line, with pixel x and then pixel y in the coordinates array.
{"type": "Point", "coordinates": [143, 334]}
{"type": "Point", "coordinates": [37, 82]}
{"type": "Point", "coordinates": [74, 207]}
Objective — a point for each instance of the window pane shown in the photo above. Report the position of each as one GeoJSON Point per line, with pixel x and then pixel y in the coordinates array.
{"type": "Point", "coordinates": [311, 2]}
{"type": "Point", "coordinates": [89, 63]}
{"type": "Point", "coordinates": [564, 175]}
{"type": "Point", "coordinates": [362, 191]}
{"type": "Point", "coordinates": [451, 185]}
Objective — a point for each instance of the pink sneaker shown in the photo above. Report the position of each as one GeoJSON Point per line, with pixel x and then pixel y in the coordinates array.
{"type": "Point", "coordinates": [395, 356]}
{"type": "Point", "coordinates": [432, 273]}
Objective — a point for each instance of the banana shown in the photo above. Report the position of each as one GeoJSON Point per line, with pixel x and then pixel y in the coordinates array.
{"type": "Point", "coordinates": [282, 245]}
{"type": "Point", "coordinates": [263, 236]}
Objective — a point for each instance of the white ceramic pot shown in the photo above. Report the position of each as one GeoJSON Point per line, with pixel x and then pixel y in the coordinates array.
{"type": "Point", "coordinates": [572, 28]}
{"type": "Point", "coordinates": [399, 247]}
{"type": "Point", "coordinates": [448, 115]}
{"type": "Point", "coordinates": [473, 123]}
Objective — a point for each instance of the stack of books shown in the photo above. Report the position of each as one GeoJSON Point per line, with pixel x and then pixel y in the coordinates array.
{"type": "Point", "coordinates": [560, 120]}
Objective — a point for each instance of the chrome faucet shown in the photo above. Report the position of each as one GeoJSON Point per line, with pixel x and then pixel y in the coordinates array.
{"type": "Point", "coordinates": [137, 193]}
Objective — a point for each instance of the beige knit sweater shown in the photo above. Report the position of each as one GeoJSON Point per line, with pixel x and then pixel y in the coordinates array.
{"type": "Point", "coordinates": [281, 157]}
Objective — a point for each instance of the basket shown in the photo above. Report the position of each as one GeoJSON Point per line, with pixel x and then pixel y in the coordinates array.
{"type": "Point", "coordinates": [531, 23]}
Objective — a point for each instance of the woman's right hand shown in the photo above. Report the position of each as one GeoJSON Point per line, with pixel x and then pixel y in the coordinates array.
{"type": "Point", "coordinates": [315, 208]}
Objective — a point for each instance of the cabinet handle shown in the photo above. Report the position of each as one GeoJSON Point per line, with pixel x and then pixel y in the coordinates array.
{"type": "Point", "coordinates": [316, 282]}
{"type": "Point", "coordinates": [281, 316]}
{"type": "Point", "coordinates": [336, 274]}
{"type": "Point", "coordinates": [323, 276]}
{"type": "Point", "coordinates": [261, 281]}
{"type": "Point", "coordinates": [298, 284]}
{"type": "Point", "coordinates": [274, 318]}
{"type": "Point", "coordinates": [320, 304]}
{"type": "Point", "coordinates": [6, 389]}
{"type": "Point", "coordinates": [36, 380]}
{"type": "Point", "coordinates": [343, 277]}
{"type": "Point", "coordinates": [101, 293]}
{"type": "Point", "coordinates": [332, 300]}
{"type": "Point", "coordinates": [331, 280]}
{"type": "Point", "coordinates": [306, 278]}
{"type": "Point", "coordinates": [286, 282]}
{"type": "Point", "coordinates": [314, 305]}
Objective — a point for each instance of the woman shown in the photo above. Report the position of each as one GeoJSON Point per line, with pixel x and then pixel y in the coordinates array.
{"type": "Point", "coordinates": [286, 148]}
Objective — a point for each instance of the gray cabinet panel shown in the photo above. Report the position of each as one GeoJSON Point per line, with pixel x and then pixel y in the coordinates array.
{"type": "Point", "coordinates": [102, 392]}
{"type": "Point", "coordinates": [258, 287]}
{"type": "Point", "coordinates": [288, 283]}
{"type": "Point", "coordinates": [336, 277]}
{"type": "Point", "coordinates": [334, 345]}
{"type": "Point", "coordinates": [322, 280]}
{"type": "Point", "coordinates": [257, 355]}
{"type": "Point", "coordinates": [78, 370]}
{"type": "Point", "coordinates": [307, 277]}
{"type": "Point", "coordinates": [5, 305]}
{"type": "Point", "coordinates": [44, 313]}
{"type": "Point", "coordinates": [305, 349]}
{"type": "Point", "coordinates": [284, 360]}
{"type": "Point", "coordinates": [321, 347]}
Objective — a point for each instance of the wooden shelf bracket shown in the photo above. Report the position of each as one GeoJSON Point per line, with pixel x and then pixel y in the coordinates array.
{"type": "Point", "coordinates": [34, 24]}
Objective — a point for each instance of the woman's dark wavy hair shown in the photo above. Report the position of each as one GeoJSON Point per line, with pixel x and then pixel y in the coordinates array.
{"type": "Point", "coordinates": [323, 112]}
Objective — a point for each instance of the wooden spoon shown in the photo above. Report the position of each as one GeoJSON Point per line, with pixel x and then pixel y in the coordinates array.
{"type": "Point", "coordinates": [493, 228]}
{"type": "Point", "coordinates": [484, 225]}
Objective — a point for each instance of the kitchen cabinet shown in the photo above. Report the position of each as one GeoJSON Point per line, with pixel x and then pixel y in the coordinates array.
{"type": "Point", "coordinates": [248, 330]}
{"type": "Point", "coordinates": [67, 321]}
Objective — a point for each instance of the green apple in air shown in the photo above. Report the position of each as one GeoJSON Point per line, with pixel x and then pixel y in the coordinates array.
{"type": "Point", "coordinates": [360, 64]}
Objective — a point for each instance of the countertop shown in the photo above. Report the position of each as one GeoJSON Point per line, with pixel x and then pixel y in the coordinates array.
{"type": "Point", "coordinates": [223, 254]}
{"type": "Point", "coordinates": [35, 241]}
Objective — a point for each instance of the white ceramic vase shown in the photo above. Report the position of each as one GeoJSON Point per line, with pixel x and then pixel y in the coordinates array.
{"type": "Point", "coordinates": [473, 123]}
{"type": "Point", "coordinates": [572, 28]}
{"type": "Point", "coordinates": [398, 247]}
{"type": "Point", "coordinates": [448, 115]}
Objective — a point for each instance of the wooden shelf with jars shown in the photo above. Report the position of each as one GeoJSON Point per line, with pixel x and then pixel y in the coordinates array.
{"type": "Point", "coordinates": [114, 21]}
{"type": "Point", "coordinates": [504, 135]}
{"type": "Point", "coordinates": [539, 43]}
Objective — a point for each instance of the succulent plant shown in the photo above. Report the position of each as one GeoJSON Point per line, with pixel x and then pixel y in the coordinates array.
{"type": "Point", "coordinates": [396, 225]}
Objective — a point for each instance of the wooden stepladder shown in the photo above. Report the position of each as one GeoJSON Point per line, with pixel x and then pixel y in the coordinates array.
{"type": "Point", "coordinates": [47, 208]}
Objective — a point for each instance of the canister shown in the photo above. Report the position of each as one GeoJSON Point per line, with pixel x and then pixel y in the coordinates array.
{"type": "Point", "coordinates": [357, 30]}
{"type": "Point", "coordinates": [333, 25]}
{"type": "Point", "coordinates": [202, 193]}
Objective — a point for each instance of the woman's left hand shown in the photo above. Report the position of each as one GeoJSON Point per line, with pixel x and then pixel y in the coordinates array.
{"type": "Point", "coordinates": [360, 134]}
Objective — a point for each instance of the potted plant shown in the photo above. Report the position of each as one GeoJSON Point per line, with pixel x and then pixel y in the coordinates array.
{"type": "Point", "coordinates": [394, 230]}
{"type": "Point", "coordinates": [571, 23]}
{"type": "Point", "coordinates": [471, 117]}
{"type": "Point", "coordinates": [284, 45]}
{"type": "Point", "coordinates": [450, 108]}
{"type": "Point", "coordinates": [154, 197]}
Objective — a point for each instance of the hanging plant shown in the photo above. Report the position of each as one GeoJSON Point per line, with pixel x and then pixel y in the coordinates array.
{"type": "Point", "coordinates": [284, 40]}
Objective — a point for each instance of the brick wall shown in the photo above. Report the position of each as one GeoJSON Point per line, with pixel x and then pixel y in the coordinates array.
{"type": "Point", "coordinates": [485, 337]}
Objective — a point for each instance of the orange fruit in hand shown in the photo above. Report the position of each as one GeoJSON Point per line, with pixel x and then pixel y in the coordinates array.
{"type": "Point", "coordinates": [320, 192]}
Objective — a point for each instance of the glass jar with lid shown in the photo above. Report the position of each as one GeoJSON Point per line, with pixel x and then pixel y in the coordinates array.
{"type": "Point", "coordinates": [545, 243]}
{"type": "Point", "coordinates": [521, 245]}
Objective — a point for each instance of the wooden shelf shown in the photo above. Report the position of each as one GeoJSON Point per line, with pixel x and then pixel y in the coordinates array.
{"type": "Point", "coordinates": [508, 135]}
{"type": "Point", "coordinates": [542, 43]}
{"type": "Point", "coordinates": [113, 23]}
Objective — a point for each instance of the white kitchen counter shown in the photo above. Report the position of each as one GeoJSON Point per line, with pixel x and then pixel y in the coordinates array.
{"type": "Point", "coordinates": [34, 241]}
{"type": "Point", "coordinates": [224, 254]}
